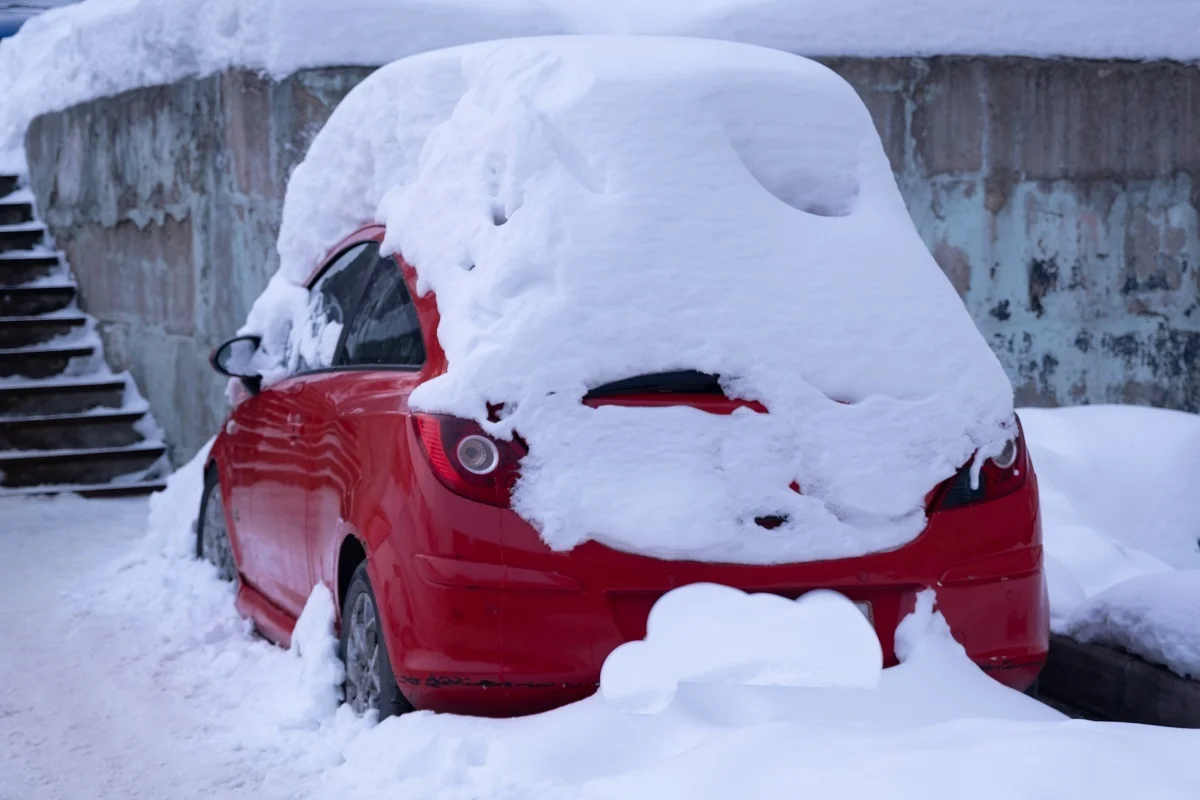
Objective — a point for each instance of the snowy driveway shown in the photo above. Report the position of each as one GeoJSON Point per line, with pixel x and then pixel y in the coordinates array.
{"type": "Point", "coordinates": [124, 673]}
{"type": "Point", "coordinates": [112, 676]}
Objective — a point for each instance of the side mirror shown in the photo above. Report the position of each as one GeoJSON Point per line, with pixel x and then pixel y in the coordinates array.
{"type": "Point", "coordinates": [235, 359]}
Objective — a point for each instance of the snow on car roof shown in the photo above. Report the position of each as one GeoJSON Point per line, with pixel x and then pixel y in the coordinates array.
{"type": "Point", "coordinates": [589, 209]}
{"type": "Point", "coordinates": [102, 47]}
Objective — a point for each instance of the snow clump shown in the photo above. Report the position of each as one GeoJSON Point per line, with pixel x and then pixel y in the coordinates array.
{"type": "Point", "coordinates": [706, 633]}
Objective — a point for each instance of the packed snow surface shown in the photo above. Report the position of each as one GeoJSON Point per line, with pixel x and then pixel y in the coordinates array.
{"type": "Point", "coordinates": [592, 209]}
{"type": "Point", "coordinates": [161, 690]}
{"type": "Point", "coordinates": [1120, 513]}
{"type": "Point", "coordinates": [102, 47]}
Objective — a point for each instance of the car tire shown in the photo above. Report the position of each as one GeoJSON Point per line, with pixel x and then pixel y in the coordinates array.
{"type": "Point", "coordinates": [212, 530]}
{"type": "Point", "coordinates": [370, 683]}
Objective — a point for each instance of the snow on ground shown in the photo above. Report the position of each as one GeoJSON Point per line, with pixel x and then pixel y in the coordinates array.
{"type": "Point", "coordinates": [1121, 513]}
{"type": "Point", "coordinates": [534, 182]}
{"type": "Point", "coordinates": [126, 673]}
{"type": "Point", "coordinates": [102, 47]}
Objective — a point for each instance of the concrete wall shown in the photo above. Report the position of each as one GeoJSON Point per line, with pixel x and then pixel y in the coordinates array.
{"type": "Point", "coordinates": [167, 203]}
{"type": "Point", "coordinates": [1058, 196]}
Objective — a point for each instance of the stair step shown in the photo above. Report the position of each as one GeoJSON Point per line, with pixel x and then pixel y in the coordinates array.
{"type": "Point", "coordinates": [28, 301]}
{"type": "Point", "coordinates": [18, 267]}
{"type": "Point", "coordinates": [25, 331]}
{"type": "Point", "coordinates": [89, 430]}
{"type": "Point", "coordinates": [81, 466]}
{"type": "Point", "coordinates": [25, 236]}
{"type": "Point", "coordinates": [89, 490]}
{"type": "Point", "coordinates": [15, 212]}
{"type": "Point", "coordinates": [40, 362]}
{"type": "Point", "coordinates": [8, 184]}
{"type": "Point", "coordinates": [22, 398]}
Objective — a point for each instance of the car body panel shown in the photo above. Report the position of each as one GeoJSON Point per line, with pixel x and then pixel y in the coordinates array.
{"type": "Point", "coordinates": [269, 492]}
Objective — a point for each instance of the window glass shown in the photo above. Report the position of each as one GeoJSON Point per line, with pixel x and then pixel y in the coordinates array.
{"type": "Point", "coordinates": [384, 331]}
{"type": "Point", "coordinates": [315, 334]}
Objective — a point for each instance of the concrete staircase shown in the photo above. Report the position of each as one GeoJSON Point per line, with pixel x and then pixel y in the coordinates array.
{"type": "Point", "coordinates": [67, 423]}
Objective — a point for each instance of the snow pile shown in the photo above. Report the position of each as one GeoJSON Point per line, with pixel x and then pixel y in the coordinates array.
{"type": "Point", "coordinates": [102, 47]}
{"type": "Point", "coordinates": [1127, 472]}
{"type": "Point", "coordinates": [1120, 513]}
{"type": "Point", "coordinates": [322, 671]}
{"type": "Point", "coordinates": [740, 201]}
{"type": "Point", "coordinates": [173, 510]}
{"type": "Point", "coordinates": [1154, 616]}
{"type": "Point", "coordinates": [706, 633]}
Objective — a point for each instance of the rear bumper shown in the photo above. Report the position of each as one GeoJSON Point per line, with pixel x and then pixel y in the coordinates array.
{"type": "Point", "coordinates": [483, 618]}
{"type": "Point", "coordinates": [550, 642]}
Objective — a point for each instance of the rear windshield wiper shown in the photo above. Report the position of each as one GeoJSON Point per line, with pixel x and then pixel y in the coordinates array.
{"type": "Point", "coordinates": [681, 382]}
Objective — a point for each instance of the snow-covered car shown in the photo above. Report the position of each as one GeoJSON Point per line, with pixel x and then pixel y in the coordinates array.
{"type": "Point", "coordinates": [625, 314]}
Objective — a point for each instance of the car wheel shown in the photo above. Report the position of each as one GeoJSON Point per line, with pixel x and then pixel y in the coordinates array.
{"type": "Point", "coordinates": [370, 684]}
{"type": "Point", "coordinates": [212, 531]}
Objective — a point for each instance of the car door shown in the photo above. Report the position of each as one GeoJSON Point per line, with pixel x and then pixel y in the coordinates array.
{"type": "Point", "coordinates": [272, 541]}
{"type": "Point", "coordinates": [360, 411]}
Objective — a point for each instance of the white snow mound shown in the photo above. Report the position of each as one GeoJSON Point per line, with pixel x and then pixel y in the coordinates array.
{"type": "Point", "coordinates": [1153, 616]}
{"type": "Point", "coordinates": [322, 672]}
{"type": "Point", "coordinates": [1120, 515]}
{"type": "Point", "coordinates": [1117, 493]}
{"type": "Point", "coordinates": [173, 511]}
{"type": "Point", "coordinates": [706, 633]}
{"type": "Point", "coordinates": [592, 209]}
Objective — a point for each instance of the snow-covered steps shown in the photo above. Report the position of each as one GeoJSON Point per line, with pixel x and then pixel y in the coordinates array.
{"type": "Point", "coordinates": [86, 466]}
{"type": "Point", "coordinates": [89, 490]}
{"type": "Point", "coordinates": [37, 298]}
{"type": "Point", "coordinates": [22, 268]}
{"type": "Point", "coordinates": [67, 424]}
{"type": "Point", "coordinates": [26, 331]}
{"type": "Point", "coordinates": [24, 236]}
{"type": "Point", "coordinates": [45, 361]}
{"type": "Point", "coordinates": [65, 396]}
{"type": "Point", "coordinates": [90, 429]}
{"type": "Point", "coordinates": [15, 210]}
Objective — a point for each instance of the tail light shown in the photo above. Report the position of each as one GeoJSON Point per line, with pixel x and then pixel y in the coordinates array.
{"type": "Point", "coordinates": [467, 461]}
{"type": "Point", "coordinates": [999, 475]}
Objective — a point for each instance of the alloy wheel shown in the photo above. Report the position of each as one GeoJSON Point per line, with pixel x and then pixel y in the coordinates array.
{"type": "Point", "coordinates": [362, 656]}
{"type": "Point", "coordinates": [214, 536]}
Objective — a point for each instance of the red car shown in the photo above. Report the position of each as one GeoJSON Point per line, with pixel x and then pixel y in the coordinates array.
{"type": "Point", "coordinates": [449, 600]}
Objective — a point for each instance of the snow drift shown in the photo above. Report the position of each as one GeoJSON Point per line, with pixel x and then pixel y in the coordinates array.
{"type": "Point", "coordinates": [1153, 616]}
{"type": "Point", "coordinates": [102, 47]}
{"type": "Point", "coordinates": [1121, 518]}
{"type": "Point", "coordinates": [592, 209]}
